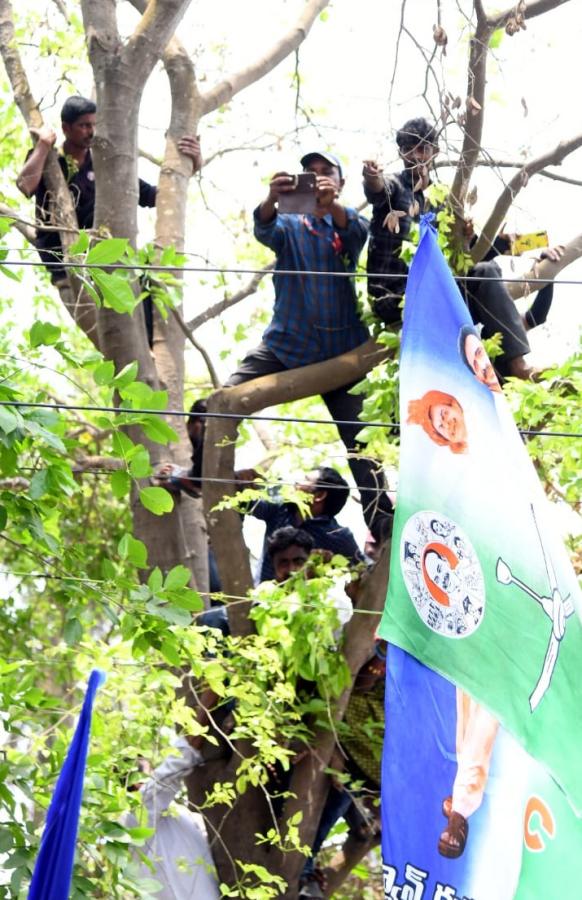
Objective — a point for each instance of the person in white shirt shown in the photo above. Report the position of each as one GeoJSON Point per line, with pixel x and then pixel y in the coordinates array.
{"type": "Point", "coordinates": [179, 847]}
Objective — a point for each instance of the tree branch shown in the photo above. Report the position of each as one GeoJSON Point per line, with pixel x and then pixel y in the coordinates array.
{"type": "Point", "coordinates": [474, 116]}
{"type": "Point", "coordinates": [97, 463]}
{"type": "Point", "coordinates": [62, 208]}
{"type": "Point", "coordinates": [219, 442]}
{"type": "Point", "coordinates": [153, 32]}
{"type": "Point", "coordinates": [227, 302]}
{"type": "Point", "coordinates": [546, 269]}
{"type": "Point", "coordinates": [533, 9]}
{"type": "Point", "coordinates": [101, 25]}
{"type": "Point", "coordinates": [512, 188]}
{"type": "Point", "coordinates": [309, 777]}
{"type": "Point", "coordinates": [225, 90]}
{"type": "Point", "coordinates": [506, 164]}
{"type": "Point", "coordinates": [25, 227]}
{"type": "Point", "coordinates": [203, 352]}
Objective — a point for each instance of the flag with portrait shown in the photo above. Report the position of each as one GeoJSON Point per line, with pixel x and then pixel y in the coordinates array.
{"type": "Point", "coordinates": [481, 592]}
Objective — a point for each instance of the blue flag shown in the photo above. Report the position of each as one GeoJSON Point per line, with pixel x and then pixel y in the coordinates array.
{"type": "Point", "coordinates": [51, 879]}
{"type": "Point", "coordinates": [513, 835]}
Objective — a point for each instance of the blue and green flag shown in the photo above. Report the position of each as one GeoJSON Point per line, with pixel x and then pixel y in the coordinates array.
{"type": "Point", "coordinates": [481, 588]}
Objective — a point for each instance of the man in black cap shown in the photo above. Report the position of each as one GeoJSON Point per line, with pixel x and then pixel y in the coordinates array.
{"type": "Point", "coordinates": [78, 123]}
{"type": "Point", "coordinates": [315, 316]}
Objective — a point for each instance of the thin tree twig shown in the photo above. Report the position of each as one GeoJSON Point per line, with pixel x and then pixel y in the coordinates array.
{"type": "Point", "coordinates": [217, 308]}
{"type": "Point", "coordinates": [203, 352]}
{"type": "Point", "coordinates": [551, 157]}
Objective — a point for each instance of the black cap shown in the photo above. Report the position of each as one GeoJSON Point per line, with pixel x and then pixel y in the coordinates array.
{"type": "Point", "coordinates": [328, 157]}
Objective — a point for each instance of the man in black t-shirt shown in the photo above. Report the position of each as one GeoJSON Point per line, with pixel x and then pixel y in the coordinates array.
{"type": "Point", "coordinates": [78, 124]}
{"type": "Point", "coordinates": [398, 200]}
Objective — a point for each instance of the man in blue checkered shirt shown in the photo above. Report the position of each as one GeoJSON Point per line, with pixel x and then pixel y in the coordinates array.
{"type": "Point", "coordinates": [315, 316]}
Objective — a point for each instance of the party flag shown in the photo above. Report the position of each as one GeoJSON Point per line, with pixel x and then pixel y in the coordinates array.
{"type": "Point", "coordinates": [51, 879]}
{"type": "Point", "coordinates": [481, 588]}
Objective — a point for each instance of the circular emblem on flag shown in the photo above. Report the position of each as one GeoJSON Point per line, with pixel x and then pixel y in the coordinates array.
{"type": "Point", "coordinates": [442, 574]}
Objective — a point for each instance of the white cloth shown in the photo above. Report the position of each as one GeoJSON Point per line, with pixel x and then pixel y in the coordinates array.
{"type": "Point", "coordinates": [179, 848]}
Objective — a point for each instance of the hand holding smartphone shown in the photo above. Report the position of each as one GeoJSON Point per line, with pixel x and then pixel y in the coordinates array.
{"type": "Point", "coordinates": [302, 197]}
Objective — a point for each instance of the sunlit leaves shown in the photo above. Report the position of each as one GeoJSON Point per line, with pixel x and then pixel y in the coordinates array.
{"type": "Point", "coordinates": [157, 500]}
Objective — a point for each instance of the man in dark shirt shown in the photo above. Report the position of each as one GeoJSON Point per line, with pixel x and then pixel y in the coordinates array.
{"type": "Point", "coordinates": [315, 316]}
{"type": "Point", "coordinates": [328, 494]}
{"type": "Point", "coordinates": [78, 124]}
{"type": "Point", "coordinates": [397, 201]}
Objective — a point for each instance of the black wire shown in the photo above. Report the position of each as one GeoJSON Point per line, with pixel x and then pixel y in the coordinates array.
{"type": "Point", "coordinates": [152, 267]}
{"type": "Point", "coordinates": [393, 426]}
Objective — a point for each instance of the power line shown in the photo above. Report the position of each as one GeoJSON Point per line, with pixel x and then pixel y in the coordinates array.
{"type": "Point", "coordinates": [243, 484]}
{"type": "Point", "coordinates": [393, 426]}
{"type": "Point", "coordinates": [152, 267]}
{"type": "Point", "coordinates": [217, 595]}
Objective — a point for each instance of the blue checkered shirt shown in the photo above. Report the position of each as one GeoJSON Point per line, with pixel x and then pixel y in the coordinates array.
{"type": "Point", "coordinates": [315, 317]}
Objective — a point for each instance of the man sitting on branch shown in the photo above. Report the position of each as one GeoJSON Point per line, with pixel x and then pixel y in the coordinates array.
{"type": "Point", "coordinates": [315, 316]}
{"type": "Point", "coordinates": [398, 200]}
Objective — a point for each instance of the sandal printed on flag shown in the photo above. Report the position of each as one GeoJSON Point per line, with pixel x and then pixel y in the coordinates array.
{"type": "Point", "coordinates": [483, 596]}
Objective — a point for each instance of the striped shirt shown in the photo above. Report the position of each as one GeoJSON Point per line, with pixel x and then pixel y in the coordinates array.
{"type": "Point", "coordinates": [315, 317]}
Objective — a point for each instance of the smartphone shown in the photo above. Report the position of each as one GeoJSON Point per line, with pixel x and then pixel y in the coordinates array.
{"type": "Point", "coordinates": [302, 198]}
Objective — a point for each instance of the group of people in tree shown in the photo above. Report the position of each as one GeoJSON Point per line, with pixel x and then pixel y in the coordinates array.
{"type": "Point", "coordinates": [315, 318]}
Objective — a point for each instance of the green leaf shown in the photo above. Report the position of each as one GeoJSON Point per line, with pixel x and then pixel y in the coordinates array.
{"type": "Point", "coordinates": [10, 273]}
{"type": "Point", "coordinates": [126, 376]}
{"type": "Point", "coordinates": [116, 291]}
{"type": "Point", "coordinates": [104, 372]}
{"type": "Point", "coordinates": [6, 840]}
{"type": "Point", "coordinates": [177, 578]}
{"type": "Point", "coordinates": [80, 245]}
{"type": "Point", "coordinates": [3, 517]}
{"type": "Point", "coordinates": [133, 550]}
{"type": "Point", "coordinates": [496, 38]}
{"type": "Point", "coordinates": [38, 484]}
{"type": "Point", "coordinates": [187, 599]}
{"type": "Point", "coordinates": [73, 631]}
{"type": "Point", "coordinates": [44, 333]}
{"type": "Point", "coordinates": [155, 580]}
{"type": "Point", "coordinates": [170, 652]}
{"type": "Point", "coordinates": [140, 833]}
{"type": "Point", "coordinates": [108, 251]}
{"type": "Point", "coordinates": [143, 397]}
{"type": "Point", "coordinates": [140, 465]}
{"type": "Point", "coordinates": [122, 445]}
{"type": "Point", "coordinates": [120, 483]}
{"type": "Point", "coordinates": [158, 430]}
{"type": "Point", "coordinates": [8, 420]}
{"type": "Point", "coordinates": [157, 500]}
